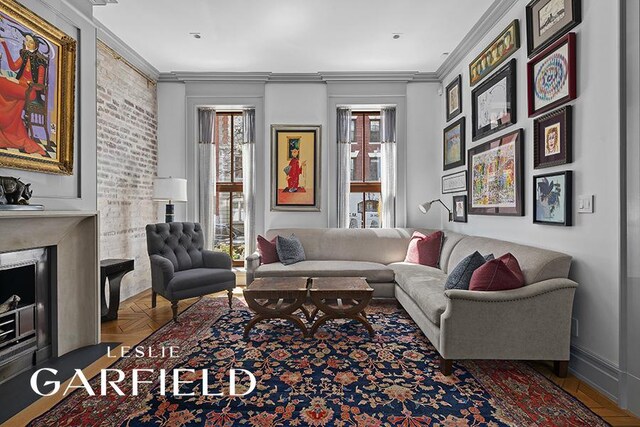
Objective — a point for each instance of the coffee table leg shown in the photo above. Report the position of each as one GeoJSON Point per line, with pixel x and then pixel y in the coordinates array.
{"type": "Point", "coordinates": [324, 319]}
{"type": "Point", "coordinates": [259, 318]}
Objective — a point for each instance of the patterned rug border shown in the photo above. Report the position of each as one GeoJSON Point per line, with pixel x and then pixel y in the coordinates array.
{"type": "Point", "coordinates": [222, 308]}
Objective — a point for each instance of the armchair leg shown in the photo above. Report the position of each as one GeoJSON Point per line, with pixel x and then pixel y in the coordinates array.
{"type": "Point", "coordinates": [230, 295]}
{"type": "Point", "coordinates": [154, 298]}
{"type": "Point", "coordinates": [561, 368]}
{"type": "Point", "coordinates": [174, 309]}
{"type": "Point", "coordinates": [446, 366]}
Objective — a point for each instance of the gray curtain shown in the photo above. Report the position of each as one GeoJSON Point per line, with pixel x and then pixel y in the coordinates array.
{"type": "Point", "coordinates": [344, 166]}
{"type": "Point", "coordinates": [207, 174]}
{"type": "Point", "coordinates": [248, 180]}
{"type": "Point", "coordinates": [388, 166]}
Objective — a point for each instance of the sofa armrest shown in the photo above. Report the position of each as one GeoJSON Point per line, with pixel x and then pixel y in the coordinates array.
{"type": "Point", "coordinates": [214, 259]}
{"type": "Point", "coordinates": [252, 264]}
{"type": "Point", "coordinates": [162, 271]}
{"type": "Point", "coordinates": [530, 323]}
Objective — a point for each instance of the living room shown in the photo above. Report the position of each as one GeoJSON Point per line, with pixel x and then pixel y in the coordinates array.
{"type": "Point", "coordinates": [453, 185]}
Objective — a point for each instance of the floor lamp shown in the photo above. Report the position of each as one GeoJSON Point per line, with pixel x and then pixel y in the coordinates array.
{"type": "Point", "coordinates": [170, 190]}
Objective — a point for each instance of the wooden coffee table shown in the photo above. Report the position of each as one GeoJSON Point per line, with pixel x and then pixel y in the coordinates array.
{"type": "Point", "coordinates": [340, 298]}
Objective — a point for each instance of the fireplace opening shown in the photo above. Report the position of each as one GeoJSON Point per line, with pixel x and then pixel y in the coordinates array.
{"type": "Point", "coordinates": [25, 310]}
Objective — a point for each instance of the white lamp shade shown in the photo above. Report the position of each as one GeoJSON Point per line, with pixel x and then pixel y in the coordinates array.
{"type": "Point", "coordinates": [174, 189]}
{"type": "Point", "coordinates": [424, 208]}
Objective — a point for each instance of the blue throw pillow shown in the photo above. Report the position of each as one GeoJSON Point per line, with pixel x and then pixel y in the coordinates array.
{"type": "Point", "coordinates": [289, 249]}
{"type": "Point", "coordinates": [489, 257]}
{"type": "Point", "coordinates": [460, 276]}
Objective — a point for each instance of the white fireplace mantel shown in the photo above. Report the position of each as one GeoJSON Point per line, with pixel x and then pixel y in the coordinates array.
{"type": "Point", "coordinates": [74, 237]}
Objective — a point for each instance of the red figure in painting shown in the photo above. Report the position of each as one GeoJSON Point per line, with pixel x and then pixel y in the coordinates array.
{"type": "Point", "coordinates": [30, 69]}
{"type": "Point", "coordinates": [293, 171]}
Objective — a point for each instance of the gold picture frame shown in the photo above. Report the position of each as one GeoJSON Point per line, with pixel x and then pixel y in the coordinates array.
{"type": "Point", "coordinates": [37, 81]}
{"type": "Point", "coordinates": [493, 55]}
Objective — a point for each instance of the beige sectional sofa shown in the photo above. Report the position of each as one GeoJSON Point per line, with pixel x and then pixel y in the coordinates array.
{"type": "Point", "coordinates": [530, 323]}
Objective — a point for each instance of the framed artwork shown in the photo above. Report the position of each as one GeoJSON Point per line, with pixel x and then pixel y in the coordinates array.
{"type": "Point", "coordinates": [454, 183]}
{"type": "Point", "coordinates": [552, 138]}
{"type": "Point", "coordinates": [37, 92]}
{"type": "Point", "coordinates": [552, 202]}
{"type": "Point", "coordinates": [500, 49]}
{"type": "Point", "coordinates": [454, 98]}
{"type": "Point", "coordinates": [549, 19]}
{"type": "Point", "coordinates": [453, 145]}
{"type": "Point", "coordinates": [295, 167]}
{"type": "Point", "coordinates": [495, 176]}
{"type": "Point", "coordinates": [460, 208]}
{"type": "Point", "coordinates": [551, 76]}
{"type": "Point", "coordinates": [494, 103]}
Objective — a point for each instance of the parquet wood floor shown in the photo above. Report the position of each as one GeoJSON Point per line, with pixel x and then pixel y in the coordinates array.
{"type": "Point", "coordinates": [137, 320]}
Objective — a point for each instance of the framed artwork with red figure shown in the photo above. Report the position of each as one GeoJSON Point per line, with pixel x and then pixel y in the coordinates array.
{"type": "Point", "coordinates": [551, 76]}
{"type": "Point", "coordinates": [37, 92]}
{"type": "Point", "coordinates": [295, 167]}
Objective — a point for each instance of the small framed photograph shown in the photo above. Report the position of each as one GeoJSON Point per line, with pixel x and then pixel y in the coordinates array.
{"type": "Point", "coordinates": [496, 53]}
{"type": "Point", "coordinates": [552, 138]}
{"type": "Point", "coordinates": [453, 148]}
{"type": "Point", "coordinates": [551, 76]}
{"type": "Point", "coordinates": [494, 102]}
{"type": "Point", "coordinates": [455, 182]}
{"type": "Point", "coordinates": [549, 19]}
{"type": "Point", "coordinates": [552, 198]}
{"type": "Point", "coordinates": [460, 208]}
{"type": "Point", "coordinates": [454, 98]}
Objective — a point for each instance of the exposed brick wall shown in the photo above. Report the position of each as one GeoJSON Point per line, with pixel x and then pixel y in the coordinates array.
{"type": "Point", "coordinates": [127, 162]}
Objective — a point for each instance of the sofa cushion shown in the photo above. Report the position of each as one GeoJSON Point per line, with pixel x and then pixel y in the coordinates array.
{"type": "Point", "coordinates": [199, 277]}
{"type": "Point", "coordinates": [425, 285]}
{"type": "Point", "coordinates": [460, 277]}
{"type": "Point", "coordinates": [495, 275]}
{"type": "Point", "coordinates": [425, 250]}
{"type": "Point", "coordinates": [512, 264]}
{"type": "Point", "coordinates": [290, 250]}
{"type": "Point", "coordinates": [267, 250]}
{"type": "Point", "coordinates": [372, 271]}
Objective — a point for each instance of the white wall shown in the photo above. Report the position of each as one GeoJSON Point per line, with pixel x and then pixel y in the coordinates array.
{"type": "Point", "coordinates": [78, 191]}
{"type": "Point", "coordinates": [594, 240]}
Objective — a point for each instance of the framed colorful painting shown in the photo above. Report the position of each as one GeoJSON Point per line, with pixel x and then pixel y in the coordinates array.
{"type": "Point", "coordinates": [495, 177]}
{"type": "Point", "coordinates": [494, 103]}
{"type": "Point", "coordinates": [549, 19]}
{"type": "Point", "coordinates": [552, 138]}
{"type": "Point", "coordinates": [551, 76]}
{"type": "Point", "coordinates": [453, 145]}
{"type": "Point", "coordinates": [500, 49]}
{"type": "Point", "coordinates": [552, 202]}
{"type": "Point", "coordinates": [455, 182]}
{"type": "Point", "coordinates": [37, 92]}
{"type": "Point", "coordinates": [454, 98]}
{"type": "Point", "coordinates": [460, 208]}
{"type": "Point", "coordinates": [295, 167]}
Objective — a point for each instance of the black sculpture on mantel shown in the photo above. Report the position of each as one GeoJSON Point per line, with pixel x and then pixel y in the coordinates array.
{"type": "Point", "coordinates": [15, 195]}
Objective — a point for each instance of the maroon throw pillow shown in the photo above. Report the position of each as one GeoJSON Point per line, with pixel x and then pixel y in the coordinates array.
{"type": "Point", "coordinates": [494, 275]}
{"type": "Point", "coordinates": [512, 264]}
{"type": "Point", "coordinates": [425, 250]}
{"type": "Point", "coordinates": [267, 250]}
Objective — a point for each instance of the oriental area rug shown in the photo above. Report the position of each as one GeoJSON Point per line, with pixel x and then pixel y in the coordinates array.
{"type": "Point", "coordinates": [341, 377]}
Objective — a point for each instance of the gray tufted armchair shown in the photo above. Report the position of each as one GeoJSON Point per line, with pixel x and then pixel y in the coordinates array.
{"type": "Point", "coordinates": [181, 268]}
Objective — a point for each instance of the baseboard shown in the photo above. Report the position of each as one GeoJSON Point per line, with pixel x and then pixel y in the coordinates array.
{"type": "Point", "coordinates": [633, 394]}
{"type": "Point", "coordinates": [598, 373]}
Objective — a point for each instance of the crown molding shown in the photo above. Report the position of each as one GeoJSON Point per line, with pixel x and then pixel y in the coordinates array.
{"type": "Point", "coordinates": [487, 21]}
{"type": "Point", "coordinates": [128, 54]}
{"type": "Point", "coordinates": [321, 77]}
{"type": "Point", "coordinates": [295, 78]}
{"type": "Point", "coordinates": [367, 76]}
{"type": "Point", "coordinates": [213, 76]}
{"type": "Point", "coordinates": [429, 77]}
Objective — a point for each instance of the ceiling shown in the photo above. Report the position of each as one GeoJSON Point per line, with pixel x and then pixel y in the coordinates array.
{"type": "Point", "coordinates": [292, 36]}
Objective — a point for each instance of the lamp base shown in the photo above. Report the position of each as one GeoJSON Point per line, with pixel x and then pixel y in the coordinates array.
{"type": "Point", "coordinates": [170, 213]}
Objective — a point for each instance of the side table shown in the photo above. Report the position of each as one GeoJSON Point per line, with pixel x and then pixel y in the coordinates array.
{"type": "Point", "coordinates": [112, 270]}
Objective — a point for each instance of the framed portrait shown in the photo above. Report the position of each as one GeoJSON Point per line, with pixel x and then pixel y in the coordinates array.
{"type": "Point", "coordinates": [553, 138]}
{"type": "Point", "coordinates": [37, 92]}
{"type": "Point", "coordinates": [493, 55]}
{"type": "Point", "coordinates": [549, 19]}
{"type": "Point", "coordinates": [551, 76]}
{"type": "Point", "coordinates": [453, 145]}
{"type": "Point", "coordinates": [460, 208]}
{"type": "Point", "coordinates": [454, 183]}
{"type": "Point", "coordinates": [454, 98]}
{"type": "Point", "coordinates": [494, 103]}
{"type": "Point", "coordinates": [495, 177]}
{"type": "Point", "coordinates": [295, 167]}
{"type": "Point", "coordinates": [552, 202]}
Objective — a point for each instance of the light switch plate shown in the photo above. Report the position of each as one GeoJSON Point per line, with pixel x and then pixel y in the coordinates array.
{"type": "Point", "coordinates": [585, 203]}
